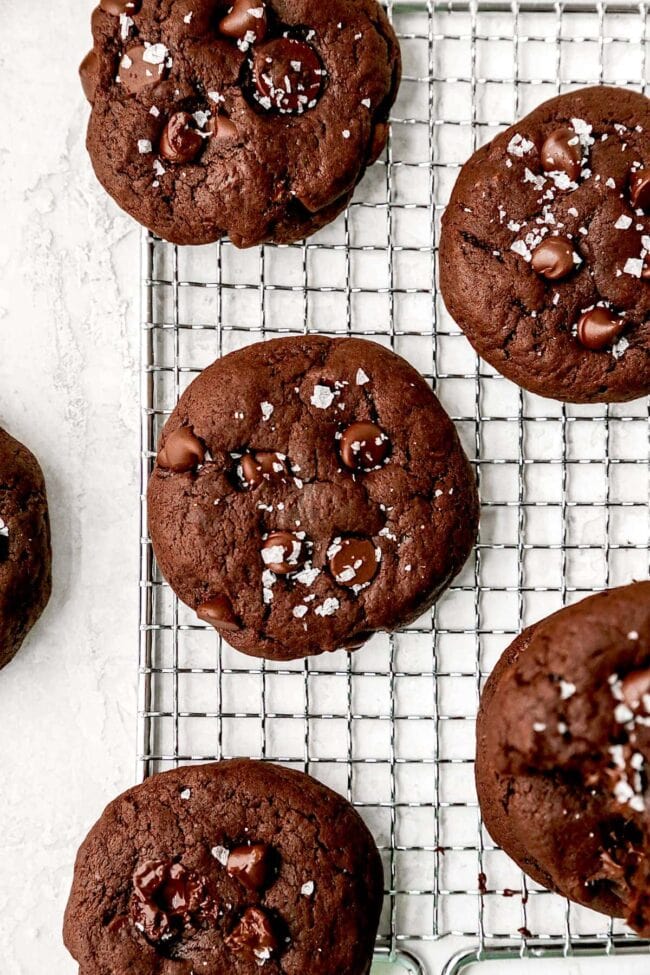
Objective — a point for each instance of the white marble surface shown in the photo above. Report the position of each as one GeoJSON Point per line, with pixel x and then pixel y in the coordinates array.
{"type": "Point", "coordinates": [69, 389]}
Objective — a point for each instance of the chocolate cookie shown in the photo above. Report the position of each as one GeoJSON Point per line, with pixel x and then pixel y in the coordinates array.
{"type": "Point", "coordinates": [563, 753]}
{"type": "Point", "coordinates": [545, 248]}
{"type": "Point", "coordinates": [255, 120]}
{"type": "Point", "coordinates": [307, 492]}
{"type": "Point", "coordinates": [229, 868]}
{"type": "Point", "coordinates": [25, 557]}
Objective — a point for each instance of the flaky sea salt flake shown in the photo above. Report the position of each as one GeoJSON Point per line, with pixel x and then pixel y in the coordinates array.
{"type": "Point", "coordinates": [322, 397]}
{"type": "Point", "coordinates": [362, 378]}
{"type": "Point", "coordinates": [633, 266]}
{"type": "Point", "coordinates": [155, 54]}
{"type": "Point", "coordinates": [221, 854]}
{"type": "Point", "coordinates": [328, 607]}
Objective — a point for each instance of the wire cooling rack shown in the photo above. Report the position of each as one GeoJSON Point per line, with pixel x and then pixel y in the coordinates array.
{"type": "Point", "coordinates": [564, 493]}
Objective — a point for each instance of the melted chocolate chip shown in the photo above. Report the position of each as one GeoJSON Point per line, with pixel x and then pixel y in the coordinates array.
{"type": "Point", "coordinates": [89, 74]}
{"type": "Point", "coordinates": [263, 466]}
{"type": "Point", "coordinates": [599, 327]}
{"type": "Point", "coordinates": [635, 686]}
{"type": "Point", "coordinates": [254, 934]}
{"type": "Point", "coordinates": [148, 877]}
{"type": "Point", "coordinates": [288, 75]}
{"type": "Point", "coordinates": [180, 142]}
{"type": "Point", "coordinates": [222, 129]}
{"type": "Point", "coordinates": [363, 446]}
{"type": "Point", "coordinates": [353, 561]}
{"type": "Point", "coordinates": [553, 258]}
{"type": "Point", "coordinates": [138, 71]}
{"type": "Point", "coordinates": [640, 190]}
{"type": "Point", "coordinates": [166, 897]}
{"type": "Point", "coordinates": [283, 552]}
{"type": "Point", "coordinates": [250, 864]}
{"type": "Point", "coordinates": [119, 7]}
{"type": "Point", "coordinates": [245, 21]}
{"type": "Point", "coordinates": [4, 544]}
{"type": "Point", "coordinates": [183, 451]}
{"type": "Point", "coordinates": [218, 612]}
{"type": "Point", "coordinates": [562, 153]}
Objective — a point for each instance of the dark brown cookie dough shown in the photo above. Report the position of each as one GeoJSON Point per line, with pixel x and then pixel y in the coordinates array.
{"type": "Point", "coordinates": [25, 557]}
{"type": "Point", "coordinates": [256, 123]}
{"type": "Point", "coordinates": [226, 869]}
{"type": "Point", "coordinates": [307, 492]}
{"type": "Point", "coordinates": [545, 248]}
{"type": "Point", "coordinates": [563, 752]}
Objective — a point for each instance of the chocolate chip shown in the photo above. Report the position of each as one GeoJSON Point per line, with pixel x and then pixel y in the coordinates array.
{"type": "Point", "coordinates": [180, 891]}
{"type": "Point", "coordinates": [245, 21]}
{"type": "Point", "coordinates": [166, 895]}
{"type": "Point", "coordinates": [4, 545]}
{"type": "Point", "coordinates": [263, 466]}
{"type": "Point", "coordinates": [253, 934]}
{"type": "Point", "coordinates": [288, 75]}
{"type": "Point", "coordinates": [363, 446]}
{"type": "Point", "coordinates": [635, 686]}
{"type": "Point", "coordinates": [139, 70]}
{"type": "Point", "coordinates": [599, 327]}
{"type": "Point", "coordinates": [89, 75]}
{"type": "Point", "coordinates": [148, 877]}
{"type": "Point", "coordinates": [353, 561]}
{"type": "Point", "coordinates": [250, 864]}
{"type": "Point", "coordinates": [553, 258]}
{"type": "Point", "coordinates": [182, 451]}
{"type": "Point", "coordinates": [218, 612]}
{"type": "Point", "coordinates": [283, 552]}
{"type": "Point", "coordinates": [562, 153]}
{"type": "Point", "coordinates": [180, 142]}
{"type": "Point", "coordinates": [221, 128]}
{"type": "Point", "coordinates": [640, 189]}
{"type": "Point", "coordinates": [155, 925]}
{"type": "Point", "coordinates": [119, 7]}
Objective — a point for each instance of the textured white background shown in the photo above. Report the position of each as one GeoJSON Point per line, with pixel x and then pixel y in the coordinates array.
{"type": "Point", "coordinates": [69, 389]}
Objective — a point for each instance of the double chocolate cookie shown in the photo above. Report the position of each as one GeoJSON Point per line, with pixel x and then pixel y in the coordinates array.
{"type": "Point", "coordinates": [25, 556]}
{"type": "Point", "coordinates": [563, 753]}
{"type": "Point", "coordinates": [307, 492]}
{"type": "Point", "coordinates": [255, 120]}
{"type": "Point", "coordinates": [545, 248]}
{"type": "Point", "coordinates": [231, 867]}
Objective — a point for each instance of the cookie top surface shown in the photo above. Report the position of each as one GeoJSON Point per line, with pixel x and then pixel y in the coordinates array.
{"type": "Point", "coordinates": [545, 248]}
{"type": "Point", "coordinates": [563, 751]}
{"type": "Point", "coordinates": [236, 866]}
{"type": "Point", "coordinates": [256, 123]}
{"type": "Point", "coordinates": [319, 493]}
{"type": "Point", "coordinates": [25, 556]}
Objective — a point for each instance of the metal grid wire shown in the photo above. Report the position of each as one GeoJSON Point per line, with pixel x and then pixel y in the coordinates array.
{"type": "Point", "coordinates": [564, 490]}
